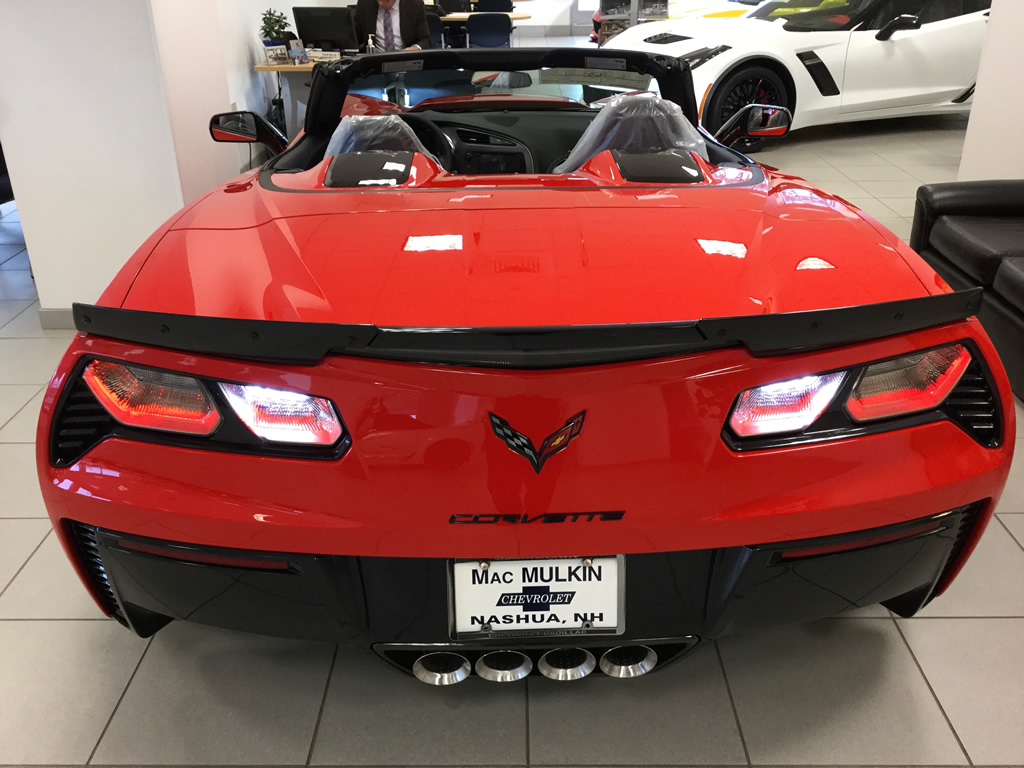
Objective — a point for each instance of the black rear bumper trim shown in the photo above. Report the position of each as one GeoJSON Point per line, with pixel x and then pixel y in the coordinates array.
{"type": "Point", "coordinates": [528, 347]}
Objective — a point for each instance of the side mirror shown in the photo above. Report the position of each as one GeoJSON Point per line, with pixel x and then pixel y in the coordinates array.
{"type": "Point", "coordinates": [247, 127]}
{"type": "Point", "coordinates": [899, 23]}
{"type": "Point", "coordinates": [755, 121]}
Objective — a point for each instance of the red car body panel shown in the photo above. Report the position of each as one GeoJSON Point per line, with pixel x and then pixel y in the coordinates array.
{"type": "Point", "coordinates": [424, 476]}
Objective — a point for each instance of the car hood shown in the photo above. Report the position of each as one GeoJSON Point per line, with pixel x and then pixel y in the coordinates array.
{"type": "Point", "coordinates": [527, 256]}
{"type": "Point", "coordinates": [702, 33]}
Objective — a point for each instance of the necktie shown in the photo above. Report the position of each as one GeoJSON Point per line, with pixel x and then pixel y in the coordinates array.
{"type": "Point", "coordinates": [389, 33]}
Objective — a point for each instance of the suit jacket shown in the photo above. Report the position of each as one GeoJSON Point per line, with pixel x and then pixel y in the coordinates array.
{"type": "Point", "coordinates": [412, 22]}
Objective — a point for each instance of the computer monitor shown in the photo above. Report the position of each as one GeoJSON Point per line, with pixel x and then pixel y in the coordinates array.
{"type": "Point", "coordinates": [331, 29]}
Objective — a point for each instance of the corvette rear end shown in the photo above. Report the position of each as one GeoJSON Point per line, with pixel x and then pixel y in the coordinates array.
{"type": "Point", "coordinates": [503, 438]}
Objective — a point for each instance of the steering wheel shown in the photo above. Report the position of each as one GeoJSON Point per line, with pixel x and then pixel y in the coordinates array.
{"type": "Point", "coordinates": [442, 144]}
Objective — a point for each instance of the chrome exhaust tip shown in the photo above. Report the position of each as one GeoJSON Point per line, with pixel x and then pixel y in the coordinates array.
{"type": "Point", "coordinates": [441, 668]}
{"type": "Point", "coordinates": [504, 666]}
{"type": "Point", "coordinates": [567, 664]}
{"type": "Point", "coordinates": [628, 661]}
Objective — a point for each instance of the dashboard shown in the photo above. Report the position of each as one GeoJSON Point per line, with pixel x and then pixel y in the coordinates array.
{"type": "Point", "coordinates": [509, 141]}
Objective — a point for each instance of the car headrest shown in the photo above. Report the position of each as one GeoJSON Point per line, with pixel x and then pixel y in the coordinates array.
{"type": "Point", "coordinates": [374, 133]}
{"type": "Point", "coordinates": [635, 123]}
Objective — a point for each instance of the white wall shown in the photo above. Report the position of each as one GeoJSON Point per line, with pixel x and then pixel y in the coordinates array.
{"type": "Point", "coordinates": [990, 150]}
{"type": "Point", "coordinates": [190, 48]}
{"type": "Point", "coordinates": [87, 139]}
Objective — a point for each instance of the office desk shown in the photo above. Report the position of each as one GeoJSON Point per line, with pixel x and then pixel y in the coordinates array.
{"type": "Point", "coordinates": [514, 15]}
{"type": "Point", "coordinates": [264, 67]}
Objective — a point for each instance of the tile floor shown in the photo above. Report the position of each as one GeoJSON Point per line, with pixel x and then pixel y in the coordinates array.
{"type": "Point", "coordinates": [946, 688]}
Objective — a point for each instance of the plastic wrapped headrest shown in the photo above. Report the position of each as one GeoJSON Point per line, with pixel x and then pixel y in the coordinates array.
{"type": "Point", "coordinates": [369, 133]}
{"type": "Point", "coordinates": [635, 123]}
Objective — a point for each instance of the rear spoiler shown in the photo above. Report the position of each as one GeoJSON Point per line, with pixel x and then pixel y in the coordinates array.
{"type": "Point", "coordinates": [525, 348]}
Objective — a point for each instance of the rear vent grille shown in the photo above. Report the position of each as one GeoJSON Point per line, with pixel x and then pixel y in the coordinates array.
{"type": "Point", "coordinates": [974, 407]}
{"type": "Point", "coordinates": [84, 537]}
{"type": "Point", "coordinates": [968, 519]}
{"type": "Point", "coordinates": [79, 425]}
{"type": "Point", "coordinates": [665, 38]}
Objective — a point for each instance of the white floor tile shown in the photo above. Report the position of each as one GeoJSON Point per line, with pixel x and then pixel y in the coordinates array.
{"type": "Point", "coordinates": [11, 234]}
{"type": "Point", "coordinates": [48, 588]}
{"type": "Point", "coordinates": [473, 723]}
{"type": "Point", "coordinates": [991, 583]}
{"type": "Point", "coordinates": [19, 483]}
{"type": "Point", "coordinates": [976, 669]}
{"type": "Point", "coordinates": [13, 398]}
{"type": "Point", "coordinates": [913, 157]}
{"type": "Point", "coordinates": [1013, 493]}
{"type": "Point", "coordinates": [32, 361]}
{"type": "Point", "coordinates": [17, 284]}
{"type": "Point", "coordinates": [19, 262]}
{"type": "Point", "coordinates": [835, 693]}
{"type": "Point", "coordinates": [212, 697]}
{"type": "Point", "coordinates": [10, 309]}
{"type": "Point", "coordinates": [59, 683]}
{"type": "Point", "coordinates": [901, 206]}
{"type": "Point", "coordinates": [887, 172]}
{"type": "Point", "coordinates": [18, 540]}
{"type": "Point", "coordinates": [817, 174]}
{"type": "Point", "coordinates": [26, 326]}
{"type": "Point", "coordinates": [681, 714]}
{"type": "Point", "coordinates": [8, 252]}
{"type": "Point", "coordinates": [884, 189]}
{"type": "Point", "coordinates": [933, 174]}
{"type": "Point", "coordinates": [22, 427]}
{"type": "Point", "coordinates": [1015, 524]}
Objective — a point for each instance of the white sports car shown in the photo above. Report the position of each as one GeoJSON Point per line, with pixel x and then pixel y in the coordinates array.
{"type": "Point", "coordinates": [828, 61]}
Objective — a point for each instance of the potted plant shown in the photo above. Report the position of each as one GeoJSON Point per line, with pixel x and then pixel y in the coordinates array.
{"type": "Point", "coordinates": [272, 30]}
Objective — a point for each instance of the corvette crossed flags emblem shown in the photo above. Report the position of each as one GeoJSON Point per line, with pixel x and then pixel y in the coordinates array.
{"type": "Point", "coordinates": [554, 443]}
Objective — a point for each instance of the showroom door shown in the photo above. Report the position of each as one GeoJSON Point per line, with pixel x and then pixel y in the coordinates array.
{"type": "Point", "coordinates": [930, 65]}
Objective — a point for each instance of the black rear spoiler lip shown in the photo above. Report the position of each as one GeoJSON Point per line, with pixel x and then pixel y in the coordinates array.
{"type": "Point", "coordinates": [297, 343]}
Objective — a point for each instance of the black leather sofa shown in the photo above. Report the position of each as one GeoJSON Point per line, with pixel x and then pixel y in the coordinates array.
{"type": "Point", "coordinates": [972, 234]}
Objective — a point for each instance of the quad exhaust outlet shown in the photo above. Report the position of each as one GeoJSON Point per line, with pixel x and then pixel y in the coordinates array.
{"type": "Point", "coordinates": [567, 664]}
{"type": "Point", "coordinates": [507, 666]}
{"type": "Point", "coordinates": [442, 668]}
{"type": "Point", "coordinates": [504, 666]}
{"type": "Point", "coordinates": [628, 661]}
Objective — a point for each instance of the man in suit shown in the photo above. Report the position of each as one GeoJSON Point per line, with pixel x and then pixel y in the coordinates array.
{"type": "Point", "coordinates": [396, 25]}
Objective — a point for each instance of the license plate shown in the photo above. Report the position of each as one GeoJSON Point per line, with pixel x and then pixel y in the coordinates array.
{"type": "Point", "coordinates": [538, 597]}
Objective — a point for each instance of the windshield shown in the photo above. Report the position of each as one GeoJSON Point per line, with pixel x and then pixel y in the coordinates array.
{"type": "Point", "coordinates": [814, 15]}
{"type": "Point", "coordinates": [558, 87]}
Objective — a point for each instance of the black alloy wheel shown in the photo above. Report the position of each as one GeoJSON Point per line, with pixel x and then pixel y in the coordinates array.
{"type": "Point", "coordinates": [748, 85]}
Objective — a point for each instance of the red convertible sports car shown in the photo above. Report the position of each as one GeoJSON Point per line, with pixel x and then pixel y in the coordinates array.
{"type": "Point", "coordinates": [505, 366]}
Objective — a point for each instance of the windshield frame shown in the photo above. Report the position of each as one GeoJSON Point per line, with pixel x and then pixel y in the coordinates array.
{"type": "Point", "coordinates": [331, 81]}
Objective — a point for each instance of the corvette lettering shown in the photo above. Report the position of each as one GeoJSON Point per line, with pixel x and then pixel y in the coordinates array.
{"type": "Point", "coordinates": [549, 517]}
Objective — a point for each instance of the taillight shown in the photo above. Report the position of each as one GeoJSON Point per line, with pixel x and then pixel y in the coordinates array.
{"type": "Point", "coordinates": [150, 399]}
{"type": "Point", "coordinates": [785, 406]}
{"type": "Point", "coordinates": [908, 384]}
{"type": "Point", "coordinates": [283, 416]}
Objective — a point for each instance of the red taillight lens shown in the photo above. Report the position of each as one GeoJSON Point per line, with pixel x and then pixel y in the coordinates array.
{"type": "Point", "coordinates": [150, 399]}
{"type": "Point", "coordinates": [282, 416]}
{"type": "Point", "coordinates": [909, 384]}
{"type": "Point", "coordinates": [785, 406]}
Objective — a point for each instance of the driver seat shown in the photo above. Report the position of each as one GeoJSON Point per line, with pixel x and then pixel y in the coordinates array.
{"type": "Point", "coordinates": [635, 122]}
{"type": "Point", "coordinates": [374, 133]}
